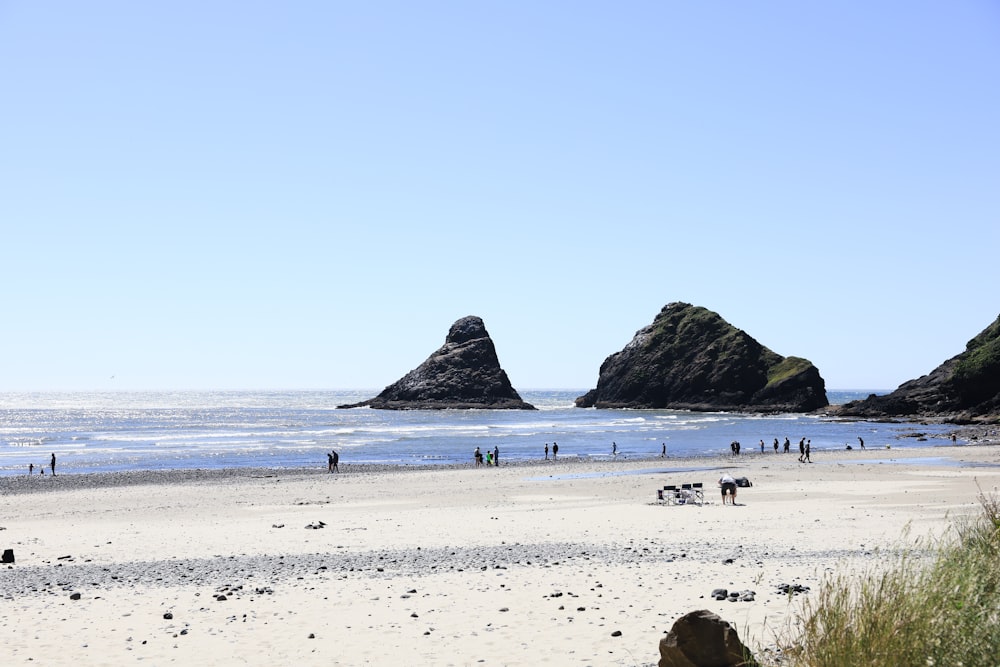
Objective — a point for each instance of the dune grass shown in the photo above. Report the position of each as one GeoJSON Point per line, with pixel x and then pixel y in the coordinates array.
{"type": "Point", "coordinates": [935, 605]}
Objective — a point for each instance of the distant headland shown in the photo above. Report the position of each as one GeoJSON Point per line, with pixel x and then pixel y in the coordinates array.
{"type": "Point", "coordinates": [963, 390]}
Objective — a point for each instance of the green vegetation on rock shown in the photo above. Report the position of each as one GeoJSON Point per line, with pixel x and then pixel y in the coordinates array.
{"type": "Point", "coordinates": [786, 368]}
{"type": "Point", "coordinates": [980, 363]}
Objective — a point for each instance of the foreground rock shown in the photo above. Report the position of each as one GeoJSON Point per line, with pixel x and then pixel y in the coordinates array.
{"type": "Point", "coordinates": [691, 358]}
{"type": "Point", "coordinates": [702, 639]}
{"type": "Point", "coordinates": [964, 389]}
{"type": "Point", "coordinates": [464, 373]}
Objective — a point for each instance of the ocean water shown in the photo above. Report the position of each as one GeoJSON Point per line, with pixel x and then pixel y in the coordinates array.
{"type": "Point", "coordinates": [100, 432]}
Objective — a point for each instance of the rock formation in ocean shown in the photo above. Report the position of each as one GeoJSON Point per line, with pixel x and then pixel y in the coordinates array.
{"type": "Point", "coordinates": [964, 389]}
{"type": "Point", "coordinates": [691, 358]}
{"type": "Point", "coordinates": [464, 373]}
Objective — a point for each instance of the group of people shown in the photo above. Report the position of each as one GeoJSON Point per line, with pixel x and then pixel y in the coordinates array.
{"type": "Point", "coordinates": [805, 446]}
{"type": "Point", "coordinates": [41, 469]}
{"type": "Point", "coordinates": [492, 458]}
{"type": "Point", "coordinates": [787, 445]}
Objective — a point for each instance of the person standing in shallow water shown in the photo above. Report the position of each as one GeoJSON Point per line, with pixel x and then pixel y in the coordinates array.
{"type": "Point", "coordinates": [52, 464]}
{"type": "Point", "coordinates": [555, 450]}
{"type": "Point", "coordinates": [496, 456]}
{"type": "Point", "coordinates": [546, 451]}
{"type": "Point", "coordinates": [663, 454]}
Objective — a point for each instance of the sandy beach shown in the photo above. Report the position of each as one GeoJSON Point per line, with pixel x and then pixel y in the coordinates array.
{"type": "Point", "coordinates": [557, 563]}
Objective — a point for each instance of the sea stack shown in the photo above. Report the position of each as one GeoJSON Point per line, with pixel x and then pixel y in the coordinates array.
{"type": "Point", "coordinates": [964, 389]}
{"type": "Point", "coordinates": [462, 374]}
{"type": "Point", "coordinates": [690, 358]}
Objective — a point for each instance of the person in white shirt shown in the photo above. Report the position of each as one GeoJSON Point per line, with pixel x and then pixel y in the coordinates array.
{"type": "Point", "coordinates": [728, 485]}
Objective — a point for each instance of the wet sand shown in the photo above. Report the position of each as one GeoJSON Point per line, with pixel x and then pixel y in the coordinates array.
{"type": "Point", "coordinates": [526, 564]}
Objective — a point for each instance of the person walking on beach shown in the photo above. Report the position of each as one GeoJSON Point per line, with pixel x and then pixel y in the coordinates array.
{"type": "Point", "coordinates": [663, 454]}
{"type": "Point", "coordinates": [52, 464]}
{"type": "Point", "coordinates": [862, 441]}
{"type": "Point", "coordinates": [808, 447]}
{"type": "Point", "coordinates": [775, 445]}
{"type": "Point", "coordinates": [614, 449]}
{"type": "Point", "coordinates": [728, 485]}
{"type": "Point", "coordinates": [31, 469]}
{"type": "Point", "coordinates": [787, 444]}
{"type": "Point", "coordinates": [496, 456]}
{"type": "Point", "coordinates": [761, 446]}
{"type": "Point", "coordinates": [478, 456]}
{"type": "Point", "coordinates": [335, 467]}
{"type": "Point", "coordinates": [329, 462]}
{"type": "Point", "coordinates": [802, 450]}
{"type": "Point", "coordinates": [555, 450]}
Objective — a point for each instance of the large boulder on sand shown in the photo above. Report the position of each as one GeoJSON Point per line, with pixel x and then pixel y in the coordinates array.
{"type": "Point", "coordinates": [703, 639]}
{"type": "Point", "coordinates": [463, 373]}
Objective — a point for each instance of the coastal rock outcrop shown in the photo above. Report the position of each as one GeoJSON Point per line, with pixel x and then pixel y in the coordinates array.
{"type": "Point", "coordinates": [464, 373]}
{"type": "Point", "coordinates": [690, 358]}
{"type": "Point", "coordinates": [964, 389]}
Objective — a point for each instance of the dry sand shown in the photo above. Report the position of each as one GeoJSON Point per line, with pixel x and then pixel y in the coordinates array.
{"type": "Point", "coordinates": [519, 565]}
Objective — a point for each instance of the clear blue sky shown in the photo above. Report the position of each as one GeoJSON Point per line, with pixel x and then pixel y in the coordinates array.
{"type": "Point", "coordinates": [206, 194]}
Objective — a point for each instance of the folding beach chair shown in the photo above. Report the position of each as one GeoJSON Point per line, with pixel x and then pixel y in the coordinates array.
{"type": "Point", "coordinates": [699, 491]}
{"type": "Point", "coordinates": [688, 493]}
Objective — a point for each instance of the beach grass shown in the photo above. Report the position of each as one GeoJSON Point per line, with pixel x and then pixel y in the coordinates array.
{"type": "Point", "coordinates": [934, 604]}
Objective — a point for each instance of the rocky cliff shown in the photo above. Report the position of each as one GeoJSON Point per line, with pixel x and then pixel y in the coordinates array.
{"type": "Point", "coordinates": [691, 358]}
{"type": "Point", "coordinates": [464, 373]}
{"type": "Point", "coordinates": [964, 389]}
